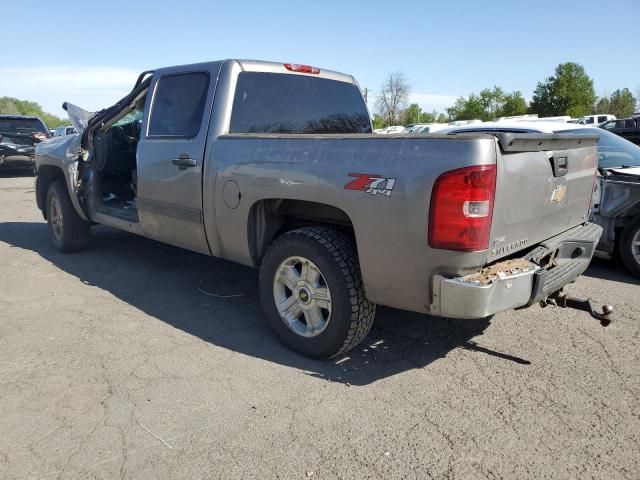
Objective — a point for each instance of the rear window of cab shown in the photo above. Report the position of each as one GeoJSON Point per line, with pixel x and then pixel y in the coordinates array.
{"type": "Point", "coordinates": [287, 103]}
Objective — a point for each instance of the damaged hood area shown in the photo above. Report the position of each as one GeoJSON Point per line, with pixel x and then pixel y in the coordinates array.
{"type": "Point", "coordinates": [79, 117]}
{"type": "Point", "coordinates": [65, 149]}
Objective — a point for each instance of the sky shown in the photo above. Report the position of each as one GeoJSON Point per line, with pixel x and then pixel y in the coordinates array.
{"type": "Point", "coordinates": [90, 53]}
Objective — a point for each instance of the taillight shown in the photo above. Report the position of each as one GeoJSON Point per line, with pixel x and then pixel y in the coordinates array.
{"type": "Point", "coordinates": [295, 67]}
{"type": "Point", "coordinates": [462, 208]}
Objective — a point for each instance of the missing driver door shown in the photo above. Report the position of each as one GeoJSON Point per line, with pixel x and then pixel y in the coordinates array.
{"type": "Point", "coordinates": [170, 155]}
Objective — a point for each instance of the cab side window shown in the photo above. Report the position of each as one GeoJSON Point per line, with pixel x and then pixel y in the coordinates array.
{"type": "Point", "coordinates": [178, 105]}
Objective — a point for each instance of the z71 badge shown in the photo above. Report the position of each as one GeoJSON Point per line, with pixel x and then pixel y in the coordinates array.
{"type": "Point", "coordinates": [372, 184]}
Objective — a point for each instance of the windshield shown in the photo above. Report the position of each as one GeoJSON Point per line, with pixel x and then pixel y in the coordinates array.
{"type": "Point", "coordinates": [613, 151]}
{"type": "Point", "coordinates": [22, 125]}
{"type": "Point", "coordinates": [133, 116]}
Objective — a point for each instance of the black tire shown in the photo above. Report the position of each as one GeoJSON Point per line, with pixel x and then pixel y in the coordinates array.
{"type": "Point", "coordinates": [334, 254]}
{"type": "Point", "coordinates": [631, 260]}
{"type": "Point", "coordinates": [69, 232]}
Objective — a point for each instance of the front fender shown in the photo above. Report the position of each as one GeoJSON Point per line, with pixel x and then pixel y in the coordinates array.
{"type": "Point", "coordinates": [61, 153]}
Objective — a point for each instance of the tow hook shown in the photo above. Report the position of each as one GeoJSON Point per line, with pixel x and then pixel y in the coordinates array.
{"type": "Point", "coordinates": [561, 300]}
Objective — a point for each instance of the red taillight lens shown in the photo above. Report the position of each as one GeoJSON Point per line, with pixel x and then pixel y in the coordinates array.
{"type": "Point", "coordinates": [295, 67]}
{"type": "Point", "coordinates": [461, 209]}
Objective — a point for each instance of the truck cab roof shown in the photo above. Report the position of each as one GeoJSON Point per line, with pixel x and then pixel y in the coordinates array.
{"type": "Point", "coordinates": [249, 65]}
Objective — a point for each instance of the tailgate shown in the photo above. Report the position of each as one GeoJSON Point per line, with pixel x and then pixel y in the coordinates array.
{"type": "Point", "coordinates": [543, 188]}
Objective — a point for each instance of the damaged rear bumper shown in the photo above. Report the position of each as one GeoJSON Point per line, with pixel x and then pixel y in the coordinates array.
{"type": "Point", "coordinates": [518, 282]}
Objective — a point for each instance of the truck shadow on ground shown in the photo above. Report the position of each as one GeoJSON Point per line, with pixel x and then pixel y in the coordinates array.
{"type": "Point", "coordinates": [610, 270]}
{"type": "Point", "coordinates": [217, 301]}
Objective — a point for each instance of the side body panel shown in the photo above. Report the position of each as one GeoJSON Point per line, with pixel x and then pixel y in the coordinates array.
{"type": "Point", "coordinates": [169, 198]}
{"type": "Point", "coordinates": [317, 168]}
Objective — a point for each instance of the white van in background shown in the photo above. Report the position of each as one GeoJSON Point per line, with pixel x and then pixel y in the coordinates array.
{"type": "Point", "coordinates": [596, 119]}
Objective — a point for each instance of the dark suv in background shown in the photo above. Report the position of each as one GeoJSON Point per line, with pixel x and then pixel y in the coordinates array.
{"type": "Point", "coordinates": [628, 128]}
{"type": "Point", "coordinates": [18, 138]}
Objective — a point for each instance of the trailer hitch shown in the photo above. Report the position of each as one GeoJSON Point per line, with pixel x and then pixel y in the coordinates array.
{"type": "Point", "coordinates": [562, 300]}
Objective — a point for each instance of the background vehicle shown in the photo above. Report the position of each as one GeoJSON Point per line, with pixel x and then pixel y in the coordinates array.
{"type": "Point", "coordinates": [392, 129]}
{"type": "Point", "coordinates": [431, 128]}
{"type": "Point", "coordinates": [18, 137]}
{"type": "Point", "coordinates": [534, 118]}
{"type": "Point", "coordinates": [616, 199]}
{"type": "Point", "coordinates": [595, 119]}
{"type": "Point", "coordinates": [65, 130]}
{"type": "Point", "coordinates": [242, 168]}
{"type": "Point", "coordinates": [628, 128]}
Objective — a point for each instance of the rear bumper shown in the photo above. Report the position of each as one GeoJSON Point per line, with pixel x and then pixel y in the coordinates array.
{"type": "Point", "coordinates": [518, 282]}
{"type": "Point", "coordinates": [17, 161]}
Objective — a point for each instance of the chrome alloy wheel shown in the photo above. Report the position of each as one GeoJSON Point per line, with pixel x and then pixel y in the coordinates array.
{"type": "Point", "coordinates": [302, 296]}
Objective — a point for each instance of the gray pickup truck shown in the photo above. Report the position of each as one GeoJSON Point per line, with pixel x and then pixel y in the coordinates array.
{"type": "Point", "coordinates": [275, 166]}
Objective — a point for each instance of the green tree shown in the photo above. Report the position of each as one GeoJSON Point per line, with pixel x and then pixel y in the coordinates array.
{"type": "Point", "coordinates": [378, 121]}
{"type": "Point", "coordinates": [429, 117]}
{"type": "Point", "coordinates": [603, 104]}
{"type": "Point", "coordinates": [568, 92]}
{"type": "Point", "coordinates": [622, 103]}
{"type": "Point", "coordinates": [514, 104]}
{"type": "Point", "coordinates": [13, 106]}
{"type": "Point", "coordinates": [442, 118]}
{"type": "Point", "coordinates": [489, 104]}
{"type": "Point", "coordinates": [412, 114]}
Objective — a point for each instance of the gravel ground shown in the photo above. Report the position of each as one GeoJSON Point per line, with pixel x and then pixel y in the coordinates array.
{"type": "Point", "coordinates": [114, 363]}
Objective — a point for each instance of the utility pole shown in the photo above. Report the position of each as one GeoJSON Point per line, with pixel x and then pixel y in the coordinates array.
{"type": "Point", "coordinates": [366, 96]}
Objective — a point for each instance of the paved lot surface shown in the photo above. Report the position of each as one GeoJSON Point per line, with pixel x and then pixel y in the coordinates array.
{"type": "Point", "coordinates": [114, 364]}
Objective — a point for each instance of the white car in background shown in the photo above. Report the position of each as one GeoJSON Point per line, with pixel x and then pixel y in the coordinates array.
{"type": "Point", "coordinates": [596, 120]}
{"type": "Point", "coordinates": [431, 128]}
{"type": "Point", "coordinates": [393, 129]}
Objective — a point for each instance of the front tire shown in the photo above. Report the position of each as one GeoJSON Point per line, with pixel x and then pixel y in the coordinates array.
{"type": "Point", "coordinates": [630, 246]}
{"type": "Point", "coordinates": [312, 293]}
{"type": "Point", "coordinates": [69, 232]}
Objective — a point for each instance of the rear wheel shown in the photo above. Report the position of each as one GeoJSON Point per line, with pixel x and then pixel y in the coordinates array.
{"type": "Point", "coordinates": [69, 232]}
{"type": "Point", "coordinates": [630, 246]}
{"type": "Point", "coordinates": [312, 293]}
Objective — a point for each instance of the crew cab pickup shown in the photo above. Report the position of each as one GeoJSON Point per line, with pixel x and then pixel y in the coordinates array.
{"type": "Point", "coordinates": [275, 166]}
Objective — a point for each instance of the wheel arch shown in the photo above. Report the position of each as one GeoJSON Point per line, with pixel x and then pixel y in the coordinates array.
{"type": "Point", "coordinates": [270, 218]}
{"type": "Point", "coordinates": [46, 175]}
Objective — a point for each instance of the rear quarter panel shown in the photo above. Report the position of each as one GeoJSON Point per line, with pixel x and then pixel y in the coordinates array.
{"type": "Point", "coordinates": [391, 232]}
